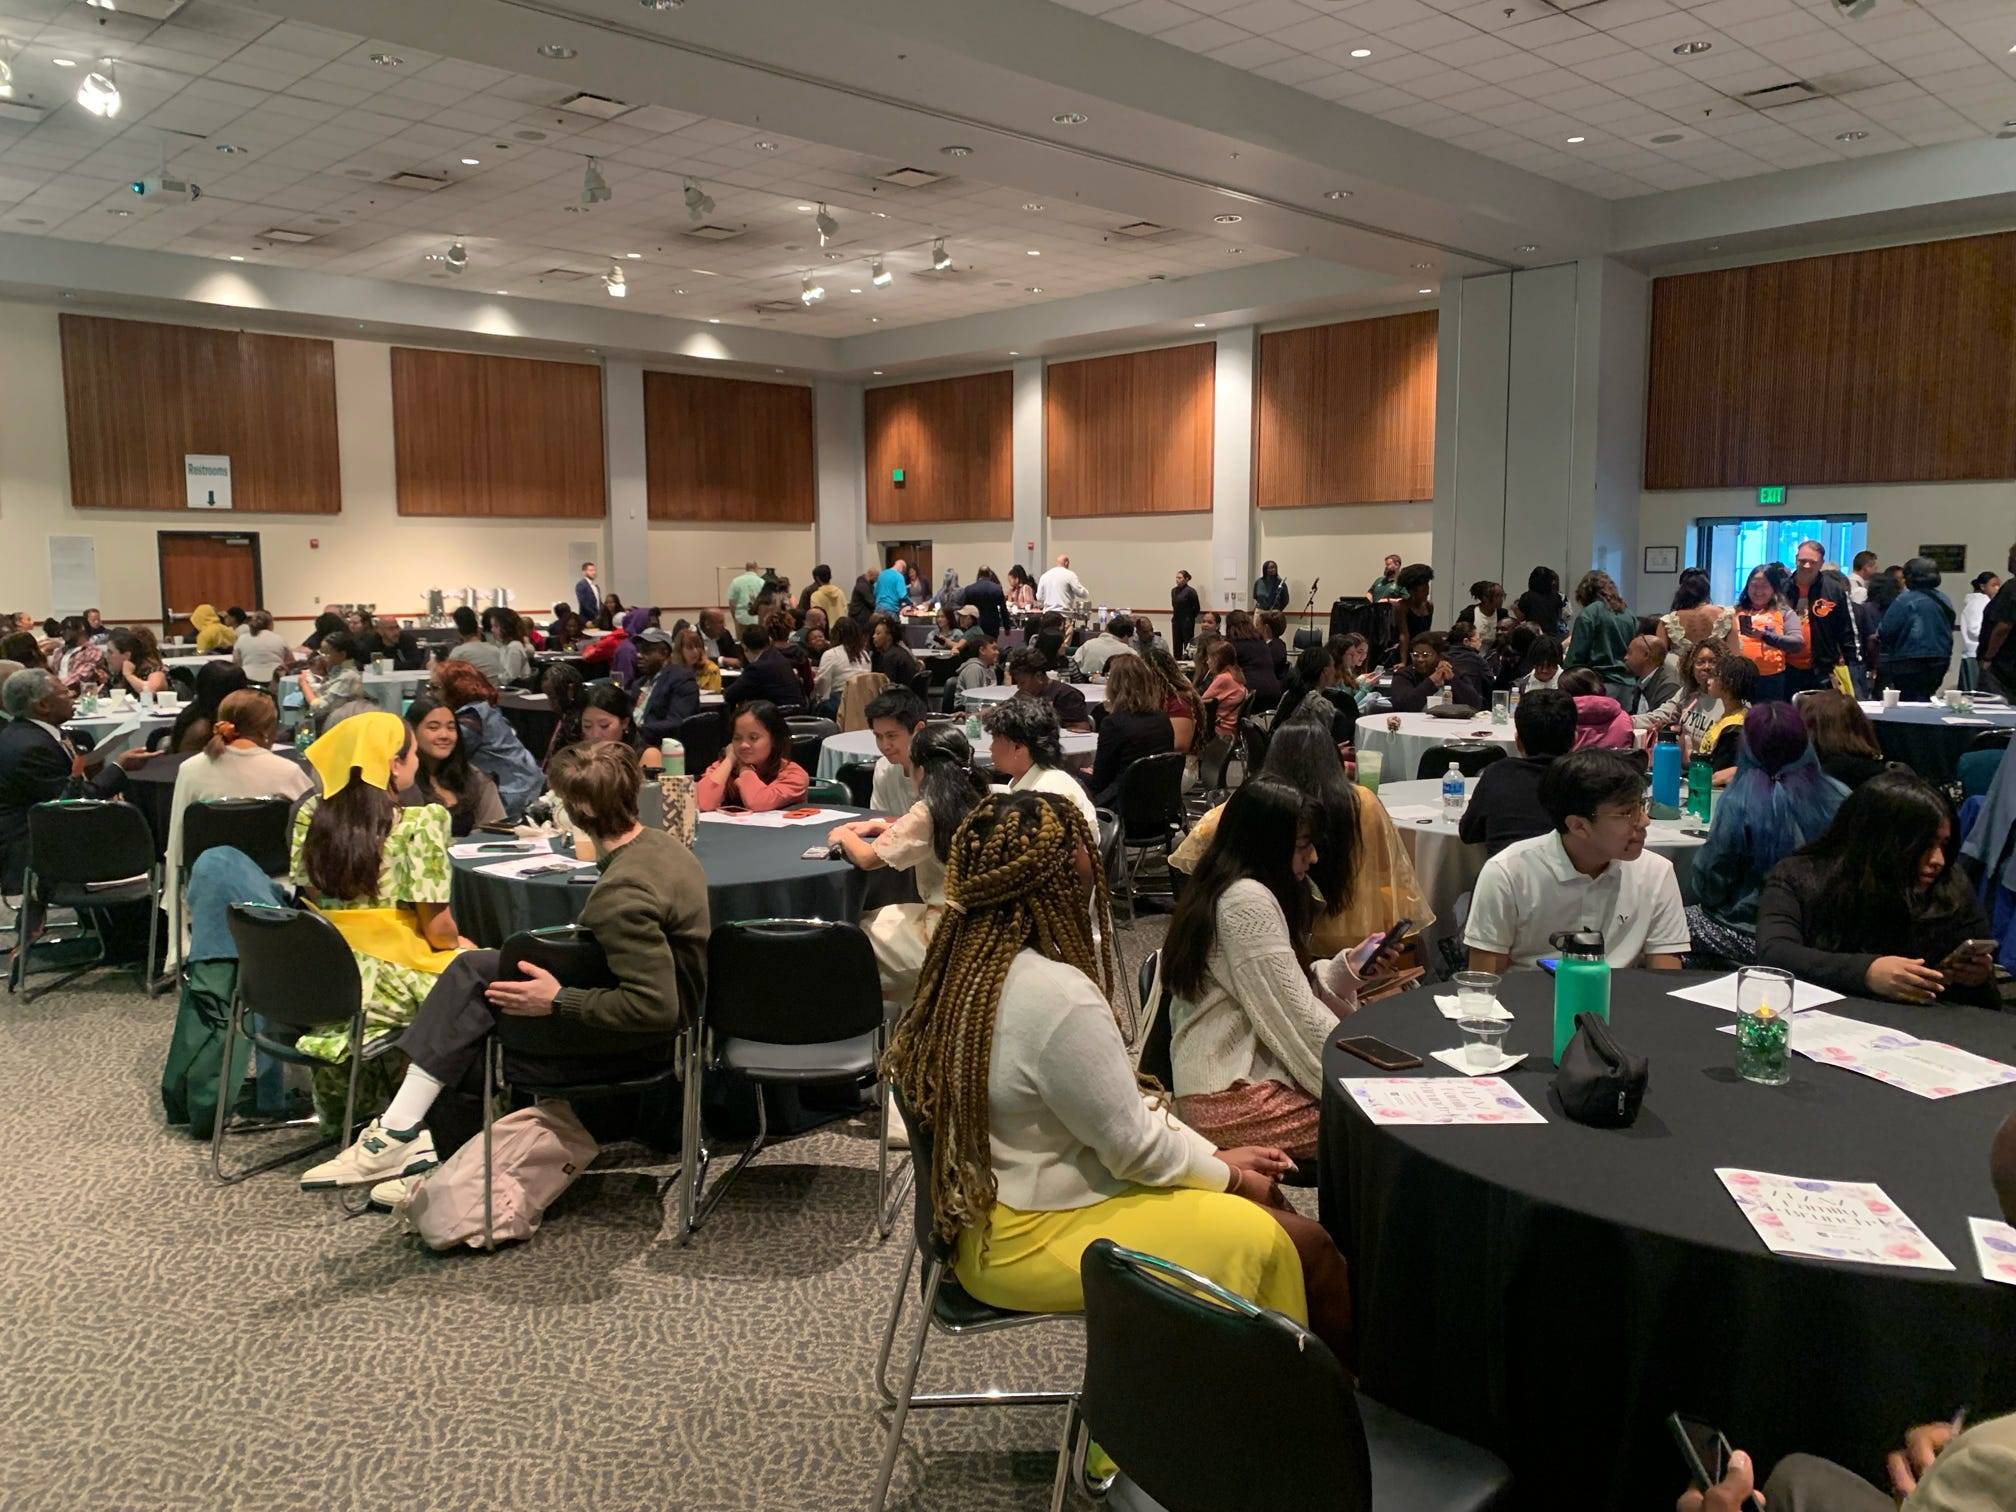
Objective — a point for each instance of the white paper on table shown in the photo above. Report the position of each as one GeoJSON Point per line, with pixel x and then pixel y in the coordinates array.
{"type": "Point", "coordinates": [1453, 1059]}
{"type": "Point", "coordinates": [1438, 1100]}
{"type": "Point", "coordinates": [1721, 993]}
{"type": "Point", "coordinates": [779, 819]}
{"type": "Point", "coordinates": [1932, 1069]}
{"type": "Point", "coordinates": [1830, 1220]}
{"type": "Point", "coordinates": [1873, 705]}
{"type": "Point", "coordinates": [520, 866]}
{"type": "Point", "coordinates": [1823, 1036]}
{"type": "Point", "coordinates": [1448, 1004]}
{"type": "Point", "coordinates": [1412, 813]}
{"type": "Point", "coordinates": [472, 850]}
{"type": "Point", "coordinates": [1962, 719]}
{"type": "Point", "coordinates": [1994, 1249]}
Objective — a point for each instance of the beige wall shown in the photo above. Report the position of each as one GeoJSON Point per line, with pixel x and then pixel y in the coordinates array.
{"type": "Point", "coordinates": [691, 564]}
{"type": "Point", "coordinates": [1345, 546]}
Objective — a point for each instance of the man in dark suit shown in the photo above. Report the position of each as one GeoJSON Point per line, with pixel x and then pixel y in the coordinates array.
{"type": "Point", "coordinates": [985, 598]}
{"type": "Point", "coordinates": [587, 597]}
{"type": "Point", "coordinates": [766, 673]}
{"type": "Point", "coordinates": [667, 692]}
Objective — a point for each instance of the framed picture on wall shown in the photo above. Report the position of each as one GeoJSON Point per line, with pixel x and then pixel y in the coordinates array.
{"type": "Point", "coordinates": [1662, 558]}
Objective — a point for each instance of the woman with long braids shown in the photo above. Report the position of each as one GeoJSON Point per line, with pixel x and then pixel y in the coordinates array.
{"type": "Point", "coordinates": [1043, 1138]}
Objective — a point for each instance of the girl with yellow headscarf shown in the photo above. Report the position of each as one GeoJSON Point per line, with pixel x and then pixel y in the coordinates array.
{"type": "Point", "coordinates": [212, 634]}
{"type": "Point", "coordinates": [379, 873]}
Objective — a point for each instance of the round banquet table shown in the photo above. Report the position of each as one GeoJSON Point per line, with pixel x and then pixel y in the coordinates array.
{"type": "Point", "coordinates": [531, 716]}
{"type": "Point", "coordinates": [859, 745]}
{"type": "Point", "coordinates": [751, 874]}
{"type": "Point", "coordinates": [1920, 736]}
{"type": "Point", "coordinates": [115, 732]}
{"type": "Point", "coordinates": [1401, 750]}
{"type": "Point", "coordinates": [150, 787]}
{"type": "Point", "coordinates": [975, 697]}
{"type": "Point", "coordinates": [1552, 1293]}
{"type": "Point", "coordinates": [1446, 868]}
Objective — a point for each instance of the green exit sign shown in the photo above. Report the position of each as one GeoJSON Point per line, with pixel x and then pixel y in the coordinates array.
{"type": "Point", "coordinates": [1771, 493]}
{"type": "Point", "coordinates": [896, 476]}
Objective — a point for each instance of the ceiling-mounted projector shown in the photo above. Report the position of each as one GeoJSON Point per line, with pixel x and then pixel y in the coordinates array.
{"type": "Point", "coordinates": [1854, 10]}
{"type": "Point", "coordinates": [164, 186]}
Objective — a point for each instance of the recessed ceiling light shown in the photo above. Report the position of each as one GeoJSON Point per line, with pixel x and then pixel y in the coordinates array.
{"type": "Point", "coordinates": [558, 52]}
{"type": "Point", "coordinates": [874, 320]}
{"type": "Point", "coordinates": [956, 151]}
{"type": "Point", "coordinates": [1689, 49]}
{"type": "Point", "coordinates": [678, 291]}
{"type": "Point", "coordinates": [1198, 324]}
{"type": "Point", "coordinates": [1014, 354]}
{"type": "Point", "coordinates": [1035, 288]}
{"type": "Point", "coordinates": [766, 147]}
{"type": "Point", "coordinates": [387, 60]}
{"type": "Point", "coordinates": [853, 291]}
{"type": "Point", "coordinates": [1228, 220]}
{"type": "Point", "coordinates": [1034, 253]}
{"type": "Point", "coordinates": [1069, 118]}
{"type": "Point", "coordinates": [713, 320]}
{"type": "Point", "coordinates": [1337, 194]}
{"type": "Point", "coordinates": [64, 62]}
{"type": "Point", "coordinates": [1424, 291]}
{"type": "Point", "coordinates": [633, 256]}
{"type": "Point", "coordinates": [471, 162]}
{"type": "Point", "coordinates": [1361, 52]}
{"type": "Point", "coordinates": [1234, 251]}
{"type": "Point", "coordinates": [227, 147]}
{"type": "Point", "coordinates": [808, 209]}
{"type": "Point", "coordinates": [1851, 136]}
{"type": "Point", "coordinates": [1420, 267]}
{"type": "Point", "coordinates": [1033, 205]}
{"type": "Point", "coordinates": [1573, 140]}
{"type": "Point", "coordinates": [1527, 247]}
{"type": "Point", "coordinates": [237, 257]}
{"type": "Point", "coordinates": [877, 373]}
{"type": "Point", "coordinates": [122, 214]}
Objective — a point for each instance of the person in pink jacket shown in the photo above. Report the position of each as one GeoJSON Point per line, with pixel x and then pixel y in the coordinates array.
{"type": "Point", "coordinates": [756, 772]}
{"type": "Point", "coordinates": [1600, 721]}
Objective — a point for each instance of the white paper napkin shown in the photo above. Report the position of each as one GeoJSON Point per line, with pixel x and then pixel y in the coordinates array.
{"type": "Point", "coordinates": [1453, 1059]}
{"type": "Point", "coordinates": [1449, 1005]}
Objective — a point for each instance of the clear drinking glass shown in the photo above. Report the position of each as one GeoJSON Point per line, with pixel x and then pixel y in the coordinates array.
{"type": "Point", "coordinates": [1501, 706]}
{"type": "Point", "coordinates": [1483, 1040]}
{"type": "Point", "coordinates": [1369, 764]}
{"type": "Point", "coordinates": [1476, 994]}
{"type": "Point", "coordinates": [1764, 1025]}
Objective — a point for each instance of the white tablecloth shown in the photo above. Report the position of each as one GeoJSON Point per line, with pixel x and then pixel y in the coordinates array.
{"type": "Point", "coordinates": [859, 745]}
{"type": "Point", "coordinates": [1446, 868]}
{"type": "Point", "coordinates": [1402, 749]}
{"type": "Point", "coordinates": [1094, 694]}
{"type": "Point", "coordinates": [114, 733]}
{"type": "Point", "coordinates": [193, 663]}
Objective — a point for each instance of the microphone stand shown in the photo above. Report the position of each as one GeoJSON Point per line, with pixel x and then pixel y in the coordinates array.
{"type": "Point", "coordinates": [1309, 608]}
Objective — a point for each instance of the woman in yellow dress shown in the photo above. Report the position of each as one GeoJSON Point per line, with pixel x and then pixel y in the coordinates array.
{"type": "Point", "coordinates": [378, 872]}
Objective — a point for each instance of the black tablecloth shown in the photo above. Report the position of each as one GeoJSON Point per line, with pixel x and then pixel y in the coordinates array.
{"type": "Point", "coordinates": [1552, 1293]}
{"type": "Point", "coordinates": [751, 874]}
{"type": "Point", "coordinates": [1917, 735]}
{"type": "Point", "coordinates": [150, 787]}
{"type": "Point", "coordinates": [532, 717]}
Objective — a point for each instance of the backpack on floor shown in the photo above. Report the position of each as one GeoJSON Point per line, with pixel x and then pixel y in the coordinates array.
{"type": "Point", "coordinates": [536, 1153]}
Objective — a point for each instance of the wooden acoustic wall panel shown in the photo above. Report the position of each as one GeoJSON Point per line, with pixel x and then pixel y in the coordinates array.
{"type": "Point", "coordinates": [1130, 434]}
{"type": "Point", "coordinates": [1345, 414]}
{"type": "Point", "coordinates": [725, 449]}
{"type": "Point", "coordinates": [1891, 366]}
{"type": "Point", "coordinates": [140, 395]}
{"type": "Point", "coordinates": [496, 437]}
{"type": "Point", "coordinates": [954, 440]}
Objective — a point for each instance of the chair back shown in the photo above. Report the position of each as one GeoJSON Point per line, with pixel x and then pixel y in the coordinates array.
{"type": "Point", "coordinates": [704, 736]}
{"type": "Point", "coordinates": [73, 842]}
{"type": "Point", "coordinates": [1109, 843]}
{"type": "Point", "coordinates": [805, 746]}
{"type": "Point", "coordinates": [858, 777]}
{"type": "Point", "coordinates": [573, 955]}
{"type": "Point", "coordinates": [827, 790]}
{"type": "Point", "coordinates": [1153, 1331]}
{"type": "Point", "coordinates": [256, 826]}
{"type": "Point", "coordinates": [1152, 1056]}
{"type": "Point", "coordinates": [294, 969]}
{"type": "Point", "coordinates": [753, 967]}
{"type": "Point", "coordinates": [1150, 800]}
{"type": "Point", "coordinates": [1253, 742]}
{"type": "Point", "coordinates": [1470, 756]}
{"type": "Point", "coordinates": [923, 1206]}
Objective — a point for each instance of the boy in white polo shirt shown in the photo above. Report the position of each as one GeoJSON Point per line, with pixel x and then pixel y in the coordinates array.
{"type": "Point", "coordinates": [1593, 872]}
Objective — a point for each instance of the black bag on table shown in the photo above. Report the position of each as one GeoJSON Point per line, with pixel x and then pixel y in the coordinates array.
{"type": "Point", "coordinates": [1599, 1082]}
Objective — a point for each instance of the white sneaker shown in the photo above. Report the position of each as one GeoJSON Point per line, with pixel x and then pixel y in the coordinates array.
{"type": "Point", "coordinates": [387, 1196]}
{"type": "Point", "coordinates": [375, 1157]}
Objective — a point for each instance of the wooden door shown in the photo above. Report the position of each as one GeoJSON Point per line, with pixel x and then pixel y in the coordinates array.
{"type": "Point", "coordinates": [199, 567]}
{"type": "Point", "coordinates": [916, 553]}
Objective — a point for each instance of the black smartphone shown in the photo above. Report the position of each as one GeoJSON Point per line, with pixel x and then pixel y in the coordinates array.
{"type": "Point", "coordinates": [498, 829]}
{"type": "Point", "coordinates": [1386, 1057]}
{"type": "Point", "coordinates": [1705, 1451]}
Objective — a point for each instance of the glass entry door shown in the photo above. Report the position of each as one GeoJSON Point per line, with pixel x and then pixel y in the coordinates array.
{"type": "Point", "coordinates": [1731, 549]}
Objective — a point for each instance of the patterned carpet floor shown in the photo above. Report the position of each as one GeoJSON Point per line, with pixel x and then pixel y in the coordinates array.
{"type": "Point", "coordinates": [167, 1343]}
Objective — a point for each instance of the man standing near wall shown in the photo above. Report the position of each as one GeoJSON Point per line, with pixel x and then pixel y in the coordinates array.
{"type": "Point", "coordinates": [1183, 610]}
{"type": "Point", "coordinates": [743, 590]}
{"type": "Point", "coordinates": [587, 597]}
{"type": "Point", "coordinates": [1821, 598]}
{"type": "Point", "coordinates": [1059, 587]}
{"type": "Point", "coordinates": [892, 588]}
{"type": "Point", "coordinates": [1387, 584]}
{"type": "Point", "coordinates": [1998, 637]}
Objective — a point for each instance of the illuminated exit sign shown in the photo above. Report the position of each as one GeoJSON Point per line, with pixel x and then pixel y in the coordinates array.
{"type": "Point", "coordinates": [896, 476]}
{"type": "Point", "coordinates": [1771, 493]}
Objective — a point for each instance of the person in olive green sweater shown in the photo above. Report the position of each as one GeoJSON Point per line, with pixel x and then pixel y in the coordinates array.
{"type": "Point", "coordinates": [648, 912]}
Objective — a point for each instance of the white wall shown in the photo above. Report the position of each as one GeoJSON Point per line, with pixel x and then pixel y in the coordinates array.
{"type": "Point", "coordinates": [691, 564]}
{"type": "Point", "coordinates": [1130, 561]}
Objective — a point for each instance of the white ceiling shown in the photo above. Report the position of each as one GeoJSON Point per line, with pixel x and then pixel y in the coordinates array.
{"type": "Point", "coordinates": [1514, 79]}
{"type": "Point", "coordinates": [319, 123]}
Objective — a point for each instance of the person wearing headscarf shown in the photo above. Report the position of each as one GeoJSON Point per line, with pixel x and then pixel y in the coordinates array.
{"type": "Point", "coordinates": [380, 874]}
{"type": "Point", "coordinates": [1779, 800]}
{"type": "Point", "coordinates": [212, 634]}
{"type": "Point", "coordinates": [215, 681]}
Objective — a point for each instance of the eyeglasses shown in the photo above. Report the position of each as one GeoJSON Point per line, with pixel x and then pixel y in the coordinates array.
{"type": "Point", "coordinates": [1637, 813]}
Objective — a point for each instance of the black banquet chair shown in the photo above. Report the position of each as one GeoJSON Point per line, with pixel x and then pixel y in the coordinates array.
{"type": "Point", "coordinates": [704, 735]}
{"type": "Point", "coordinates": [256, 826]}
{"type": "Point", "coordinates": [85, 853]}
{"type": "Point", "coordinates": [858, 777]}
{"type": "Point", "coordinates": [1154, 1330]}
{"type": "Point", "coordinates": [296, 974]}
{"type": "Point", "coordinates": [1150, 805]}
{"type": "Point", "coordinates": [944, 1307]}
{"type": "Point", "coordinates": [831, 1032]}
{"type": "Point", "coordinates": [573, 956]}
{"type": "Point", "coordinates": [1470, 756]}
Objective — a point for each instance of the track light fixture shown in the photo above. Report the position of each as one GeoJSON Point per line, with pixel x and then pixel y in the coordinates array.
{"type": "Point", "coordinates": [613, 282]}
{"type": "Point", "coordinates": [878, 275]}
{"type": "Point", "coordinates": [825, 225]}
{"type": "Point", "coordinates": [940, 258]}
{"type": "Point", "coordinates": [99, 93]}
{"type": "Point", "coordinates": [810, 290]}
{"type": "Point", "coordinates": [594, 187]}
{"type": "Point", "coordinates": [699, 203]}
{"type": "Point", "coordinates": [455, 260]}
{"type": "Point", "coordinates": [6, 77]}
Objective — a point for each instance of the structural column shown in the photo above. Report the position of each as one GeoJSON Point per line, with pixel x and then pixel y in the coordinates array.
{"type": "Point", "coordinates": [1232, 516]}
{"type": "Point", "coordinates": [626, 554]}
{"type": "Point", "coordinates": [840, 520]}
{"type": "Point", "coordinates": [1031, 538]}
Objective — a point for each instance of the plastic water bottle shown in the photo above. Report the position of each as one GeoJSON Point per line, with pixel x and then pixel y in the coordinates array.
{"type": "Point", "coordinates": [675, 757]}
{"type": "Point", "coordinates": [1452, 791]}
{"type": "Point", "coordinates": [972, 727]}
{"type": "Point", "coordinates": [1581, 983]}
{"type": "Point", "coordinates": [1666, 776]}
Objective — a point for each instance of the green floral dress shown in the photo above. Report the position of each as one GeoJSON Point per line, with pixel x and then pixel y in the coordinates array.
{"type": "Point", "coordinates": [413, 868]}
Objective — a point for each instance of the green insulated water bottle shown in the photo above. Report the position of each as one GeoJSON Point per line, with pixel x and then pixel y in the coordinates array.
{"type": "Point", "coordinates": [1701, 788]}
{"type": "Point", "coordinates": [1581, 983]}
